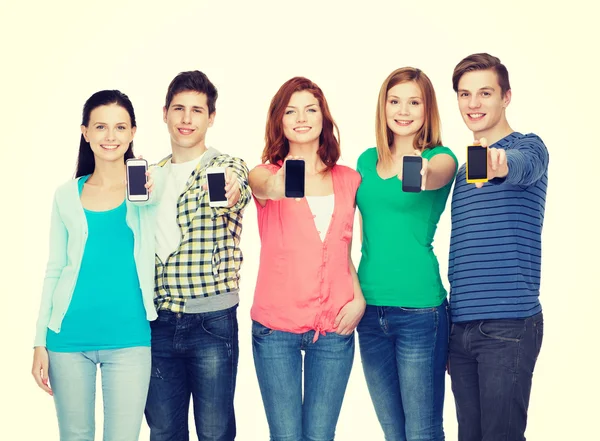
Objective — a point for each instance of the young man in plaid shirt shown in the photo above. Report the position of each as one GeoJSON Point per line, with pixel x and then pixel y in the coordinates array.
{"type": "Point", "coordinates": [195, 337]}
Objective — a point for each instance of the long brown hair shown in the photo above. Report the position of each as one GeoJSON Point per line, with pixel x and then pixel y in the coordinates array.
{"type": "Point", "coordinates": [277, 146]}
{"type": "Point", "coordinates": [429, 135]}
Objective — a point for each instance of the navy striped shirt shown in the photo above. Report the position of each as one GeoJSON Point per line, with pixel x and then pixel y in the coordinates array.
{"type": "Point", "coordinates": [495, 245]}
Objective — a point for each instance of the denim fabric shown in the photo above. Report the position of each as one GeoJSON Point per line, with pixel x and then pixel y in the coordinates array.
{"type": "Point", "coordinates": [491, 366]}
{"type": "Point", "coordinates": [125, 376]}
{"type": "Point", "coordinates": [404, 353]}
{"type": "Point", "coordinates": [292, 415]}
{"type": "Point", "coordinates": [193, 355]}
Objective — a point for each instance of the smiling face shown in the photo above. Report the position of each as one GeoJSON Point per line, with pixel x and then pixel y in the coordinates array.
{"type": "Point", "coordinates": [109, 132]}
{"type": "Point", "coordinates": [481, 104]}
{"type": "Point", "coordinates": [303, 120]}
{"type": "Point", "coordinates": [404, 109]}
{"type": "Point", "coordinates": [188, 120]}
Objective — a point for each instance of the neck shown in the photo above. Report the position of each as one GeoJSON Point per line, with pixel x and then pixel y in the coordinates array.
{"type": "Point", "coordinates": [108, 174]}
{"type": "Point", "coordinates": [402, 145]}
{"type": "Point", "coordinates": [308, 152]}
{"type": "Point", "coordinates": [494, 134]}
{"type": "Point", "coordinates": [181, 154]}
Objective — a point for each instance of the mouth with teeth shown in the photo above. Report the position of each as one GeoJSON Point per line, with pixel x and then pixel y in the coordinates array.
{"type": "Point", "coordinates": [302, 129]}
{"type": "Point", "coordinates": [110, 146]}
{"type": "Point", "coordinates": [403, 123]}
{"type": "Point", "coordinates": [185, 132]}
{"type": "Point", "coordinates": [475, 116]}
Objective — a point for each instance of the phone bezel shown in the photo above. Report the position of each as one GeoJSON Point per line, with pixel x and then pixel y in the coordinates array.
{"type": "Point", "coordinates": [136, 162]}
{"type": "Point", "coordinates": [410, 188]}
{"type": "Point", "coordinates": [215, 171]}
{"type": "Point", "coordinates": [290, 193]}
{"type": "Point", "coordinates": [474, 181]}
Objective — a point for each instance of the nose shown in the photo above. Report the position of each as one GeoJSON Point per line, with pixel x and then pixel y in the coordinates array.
{"type": "Point", "coordinates": [474, 102]}
{"type": "Point", "coordinates": [404, 109]}
{"type": "Point", "coordinates": [110, 134]}
{"type": "Point", "coordinates": [186, 118]}
{"type": "Point", "coordinates": [301, 117]}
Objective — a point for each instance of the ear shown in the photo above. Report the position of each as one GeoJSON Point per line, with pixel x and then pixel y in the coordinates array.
{"type": "Point", "coordinates": [211, 118]}
{"type": "Point", "coordinates": [84, 133]}
{"type": "Point", "coordinates": [133, 130]}
{"type": "Point", "coordinates": [165, 114]}
{"type": "Point", "coordinates": [507, 98]}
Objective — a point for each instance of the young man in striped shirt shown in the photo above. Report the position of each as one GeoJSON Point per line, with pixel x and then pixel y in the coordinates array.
{"type": "Point", "coordinates": [195, 337]}
{"type": "Point", "coordinates": [495, 260]}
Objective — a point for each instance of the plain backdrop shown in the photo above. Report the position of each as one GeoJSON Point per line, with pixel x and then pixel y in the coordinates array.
{"type": "Point", "coordinates": [56, 54]}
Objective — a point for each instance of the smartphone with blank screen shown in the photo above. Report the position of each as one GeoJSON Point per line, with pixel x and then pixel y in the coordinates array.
{"type": "Point", "coordinates": [477, 164]}
{"type": "Point", "coordinates": [411, 174]}
{"type": "Point", "coordinates": [294, 178]}
{"type": "Point", "coordinates": [136, 180]}
{"type": "Point", "coordinates": [215, 178]}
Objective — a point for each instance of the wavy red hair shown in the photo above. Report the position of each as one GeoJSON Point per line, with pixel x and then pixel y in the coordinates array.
{"type": "Point", "coordinates": [277, 146]}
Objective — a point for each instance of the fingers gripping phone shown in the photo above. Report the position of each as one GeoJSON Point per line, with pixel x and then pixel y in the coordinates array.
{"type": "Point", "coordinates": [294, 178]}
{"type": "Point", "coordinates": [411, 174]}
{"type": "Point", "coordinates": [136, 180]}
{"type": "Point", "coordinates": [477, 158]}
{"type": "Point", "coordinates": [215, 180]}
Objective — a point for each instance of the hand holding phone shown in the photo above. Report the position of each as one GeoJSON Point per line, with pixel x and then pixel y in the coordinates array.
{"type": "Point", "coordinates": [294, 178]}
{"type": "Point", "coordinates": [477, 164]}
{"type": "Point", "coordinates": [215, 180]}
{"type": "Point", "coordinates": [411, 174]}
{"type": "Point", "coordinates": [136, 180]}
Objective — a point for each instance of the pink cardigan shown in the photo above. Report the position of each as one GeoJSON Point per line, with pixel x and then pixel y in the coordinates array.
{"type": "Point", "coordinates": [303, 282]}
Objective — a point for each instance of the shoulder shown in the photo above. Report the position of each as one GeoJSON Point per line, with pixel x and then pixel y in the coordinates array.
{"type": "Point", "coordinates": [272, 168]}
{"type": "Point", "coordinates": [368, 155]}
{"type": "Point", "coordinates": [348, 174]}
{"type": "Point", "coordinates": [225, 159]}
{"type": "Point", "coordinates": [517, 139]}
{"type": "Point", "coordinates": [67, 189]}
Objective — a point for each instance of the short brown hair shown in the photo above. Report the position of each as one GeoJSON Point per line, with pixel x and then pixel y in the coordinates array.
{"type": "Point", "coordinates": [277, 146]}
{"type": "Point", "coordinates": [429, 135]}
{"type": "Point", "coordinates": [481, 61]}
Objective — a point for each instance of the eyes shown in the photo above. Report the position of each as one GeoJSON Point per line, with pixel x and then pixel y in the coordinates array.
{"type": "Point", "coordinates": [103, 127]}
{"type": "Point", "coordinates": [309, 110]}
{"type": "Point", "coordinates": [395, 102]}
{"type": "Point", "coordinates": [484, 94]}
{"type": "Point", "coordinates": [180, 108]}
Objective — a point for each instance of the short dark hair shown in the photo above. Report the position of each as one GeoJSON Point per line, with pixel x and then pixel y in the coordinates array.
{"type": "Point", "coordinates": [196, 81]}
{"type": "Point", "coordinates": [85, 159]}
{"type": "Point", "coordinates": [481, 61]}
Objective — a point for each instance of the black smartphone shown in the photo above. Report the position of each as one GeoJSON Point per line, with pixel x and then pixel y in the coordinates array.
{"type": "Point", "coordinates": [136, 179]}
{"type": "Point", "coordinates": [294, 178]}
{"type": "Point", "coordinates": [476, 164]}
{"type": "Point", "coordinates": [411, 173]}
{"type": "Point", "coordinates": [215, 178]}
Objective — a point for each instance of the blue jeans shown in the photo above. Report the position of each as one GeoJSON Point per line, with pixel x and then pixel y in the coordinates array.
{"type": "Point", "coordinates": [491, 366]}
{"type": "Point", "coordinates": [193, 355]}
{"type": "Point", "coordinates": [404, 353]}
{"type": "Point", "coordinates": [327, 366]}
{"type": "Point", "coordinates": [125, 376]}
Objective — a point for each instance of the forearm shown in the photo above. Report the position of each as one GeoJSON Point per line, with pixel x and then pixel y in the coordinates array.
{"type": "Point", "coordinates": [262, 183]}
{"type": "Point", "coordinates": [441, 169]}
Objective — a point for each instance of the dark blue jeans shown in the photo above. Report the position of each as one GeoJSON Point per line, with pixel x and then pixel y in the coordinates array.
{"type": "Point", "coordinates": [404, 353]}
{"type": "Point", "coordinates": [491, 366]}
{"type": "Point", "coordinates": [193, 355]}
{"type": "Point", "coordinates": [327, 366]}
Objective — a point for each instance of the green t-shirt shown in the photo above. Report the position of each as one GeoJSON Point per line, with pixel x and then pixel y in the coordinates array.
{"type": "Point", "coordinates": [398, 266]}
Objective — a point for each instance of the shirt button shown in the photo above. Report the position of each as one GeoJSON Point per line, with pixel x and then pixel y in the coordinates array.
{"type": "Point", "coordinates": [179, 315]}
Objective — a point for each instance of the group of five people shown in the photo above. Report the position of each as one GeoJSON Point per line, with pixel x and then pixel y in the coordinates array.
{"type": "Point", "coordinates": [149, 291]}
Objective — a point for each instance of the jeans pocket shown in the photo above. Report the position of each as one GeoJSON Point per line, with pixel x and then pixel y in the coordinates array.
{"type": "Point", "coordinates": [221, 326]}
{"type": "Point", "coordinates": [504, 330]}
{"type": "Point", "coordinates": [539, 336]}
{"type": "Point", "coordinates": [259, 330]}
{"type": "Point", "coordinates": [416, 310]}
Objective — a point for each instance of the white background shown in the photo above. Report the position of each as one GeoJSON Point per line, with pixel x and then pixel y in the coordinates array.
{"type": "Point", "coordinates": [56, 54]}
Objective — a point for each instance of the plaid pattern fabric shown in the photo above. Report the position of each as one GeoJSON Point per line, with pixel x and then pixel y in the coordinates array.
{"type": "Point", "coordinates": [208, 260]}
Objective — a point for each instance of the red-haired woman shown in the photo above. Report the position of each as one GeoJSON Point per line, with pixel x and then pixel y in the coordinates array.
{"type": "Point", "coordinates": [307, 294]}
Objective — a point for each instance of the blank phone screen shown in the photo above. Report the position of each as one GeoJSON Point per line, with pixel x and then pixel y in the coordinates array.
{"type": "Point", "coordinates": [216, 187]}
{"type": "Point", "coordinates": [294, 178]}
{"type": "Point", "coordinates": [477, 162]}
{"type": "Point", "coordinates": [137, 180]}
{"type": "Point", "coordinates": [411, 172]}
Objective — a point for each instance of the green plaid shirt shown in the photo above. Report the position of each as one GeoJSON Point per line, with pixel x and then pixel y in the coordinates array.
{"type": "Point", "coordinates": [208, 259]}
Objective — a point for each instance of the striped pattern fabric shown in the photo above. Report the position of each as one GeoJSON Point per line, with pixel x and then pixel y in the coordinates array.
{"type": "Point", "coordinates": [495, 246]}
{"type": "Point", "coordinates": [209, 258]}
